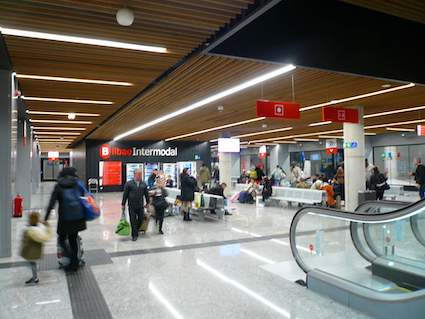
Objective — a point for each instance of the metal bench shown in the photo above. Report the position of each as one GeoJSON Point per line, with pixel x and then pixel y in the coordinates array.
{"type": "Point", "coordinates": [298, 195]}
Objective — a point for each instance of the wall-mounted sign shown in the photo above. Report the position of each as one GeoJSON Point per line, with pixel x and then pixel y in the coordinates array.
{"type": "Point", "coordinates": [353, 144]}
{"type": "Point", "coordinates": [262, 151]}
{"type": "Point", "coordinates": [340, 114]}
{"type": "Point", "coordinates": [421, 130]}
{"type": "Point", "coordinates": [111, 173]}
{"type": "Point", "coordinates": [331, 146]}
{"type": "Point", "coordinates": [106, 151]}
{"type": "Point", "coordinates": [278, 109]}
{"type": "Point", "coordinates": [52, 156]}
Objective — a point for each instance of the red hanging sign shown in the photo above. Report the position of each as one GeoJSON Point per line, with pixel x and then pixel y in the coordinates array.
{"type": "Point", "coordinates": [340, 114]}
{"type": "Point", "coordinates": [278, 109]}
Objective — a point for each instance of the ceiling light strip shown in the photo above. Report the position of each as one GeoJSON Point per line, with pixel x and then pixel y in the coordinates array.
{"type": "Point", "coordinates": [358, 97]}
{"type": "Point", "coordinates": [399, 129]}
{"type": "Point", "coordinates": [52, 99]}
{"type": "Point", "coordinates": [331, 136]}
{"type": "Point", "coordinates": [209, 99]}
{"type": "Point", "coordinates": [301, 139]}
{"type": "Point", "coordinates": [394, 124]}
{"type": "Point", "coordinates": [56, 133]}
{"type": "Point", "coordinates": [60, 121]}
{"type": "Point", "coordinates": [264, 132]}
{"type": "Point", "coordinates": [320, 123]}
{"type": "Point", "coordinates": [59, 128]}
{"type": "Point", "coordinates": [410, 109]}
{"type": "Point", "coordinates": [74, 80]}
{"type": "Point", "coordinates": [215, 128]}
{"type": "Point", "coordinates": [60, 113]}
{"type": "Point", "coordinates": [295, 136]}
{"type": "Point", "coordinates": [81, 40]}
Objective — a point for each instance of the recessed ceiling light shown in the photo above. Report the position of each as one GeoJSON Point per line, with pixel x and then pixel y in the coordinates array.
{"type": "Point", "coordinates": [71, 116]}
{"type": "Point", "coordinates": [210, 99]}
{"type": "Point", "coordinates": [51, 99]}
{"type": "Point", "coordinates": [74, 80]}
{"type": "Point", "coordinates": [264, 125]}
{"type": "Point", "coordinates": [60, 121]}
{"type": "Point", "coordinates": [60, 113]}
{"type": "Point", "coordinates": [385, 86]}
{"type": "Point", "coordinates": [81, 40]}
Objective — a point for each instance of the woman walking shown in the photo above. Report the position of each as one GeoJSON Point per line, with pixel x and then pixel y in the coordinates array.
{"type": "Point", "coordinates": [71, 219]}
{"type": "Point", "coordinates": [159, 201]}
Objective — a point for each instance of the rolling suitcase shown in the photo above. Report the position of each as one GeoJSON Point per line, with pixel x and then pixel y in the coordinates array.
{"type": "Point", "coordinates": [144, 226]}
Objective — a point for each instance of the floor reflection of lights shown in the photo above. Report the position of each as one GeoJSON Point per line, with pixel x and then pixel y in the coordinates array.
{"type": "Point", "coordinates": [161, 298]}
{"type": "Point", "coordinates": [243, 288]}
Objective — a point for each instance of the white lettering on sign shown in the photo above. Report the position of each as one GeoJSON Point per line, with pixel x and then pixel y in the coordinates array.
{"type": "Point", "coordinates": [154, 151]}
{"type": "Point", "coordinates": [341, 115]}
{"type": "Point", "coordinates": [279, 109]}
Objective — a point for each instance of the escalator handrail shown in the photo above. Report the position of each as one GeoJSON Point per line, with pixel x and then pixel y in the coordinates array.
{"type": "Point", "coordinates": [354, 226]}
{"type": "Point", "coordinates": [404, 212]}
{"type": "Point", "coordinates": [416, 230]}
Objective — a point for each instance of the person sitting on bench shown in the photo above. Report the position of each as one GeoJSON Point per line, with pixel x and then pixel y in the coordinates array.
{"type": "Point", "coordinates": [219, 191]}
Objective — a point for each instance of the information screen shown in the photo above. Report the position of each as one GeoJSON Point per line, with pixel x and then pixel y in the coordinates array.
{"type": "Point", "coordinates": [228, 145]}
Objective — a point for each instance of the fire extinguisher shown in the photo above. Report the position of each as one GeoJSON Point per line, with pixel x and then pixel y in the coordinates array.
{"type": "Point", "coordinates": [18, 206]}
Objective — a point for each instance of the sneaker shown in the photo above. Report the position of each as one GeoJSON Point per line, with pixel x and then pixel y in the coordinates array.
{"type": "Point", "coordinates": [32, 281]}
{"type": "Point", "coordinates": [134, 239]}
{"type": "Point", "coordinates": [161, 232]}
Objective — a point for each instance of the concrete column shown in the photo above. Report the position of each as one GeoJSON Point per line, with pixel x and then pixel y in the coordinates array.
{"type": "Point", "coordinates": [354, 159]}
{"type": "Point", "coordinates": [23, 160]}
{"type": "Point", "coordinates": [229, 166]}
{"type": "Point", "coordinates": [279, 155]}
{"type": "Point", "coordinates": [6, 111]}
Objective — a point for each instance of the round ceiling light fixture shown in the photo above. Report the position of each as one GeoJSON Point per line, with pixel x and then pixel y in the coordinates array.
{"type": "Point", "coordinates": [125, 17]}
{"type": "Point", "coordinates": [72, 116]}
{"type": "Point", "coordinates": [220, 108]}
{"type": "Point", "coordinates": [264, 125]}
{"type": "Point", "coordinates": [386, 86]}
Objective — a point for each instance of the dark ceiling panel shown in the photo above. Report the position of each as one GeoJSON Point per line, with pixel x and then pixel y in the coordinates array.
{"type": "Point", "coordinates": [333, 35]}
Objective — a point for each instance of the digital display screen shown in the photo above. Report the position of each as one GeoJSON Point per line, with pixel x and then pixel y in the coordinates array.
{"type": "Point", "coordinates": [228, 145]}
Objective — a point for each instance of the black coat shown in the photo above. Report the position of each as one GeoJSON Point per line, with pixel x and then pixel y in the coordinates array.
{"type": "Point", "coordinates": [420, 174]}
{"type": "Point", "coordinates": [188, 188]}
{"type": "Point", "coordinates": [377, 181]}
{"type": "Point", "coordinates": [135, 194]}
{"type": "Point", "coordinates": [65, 227]}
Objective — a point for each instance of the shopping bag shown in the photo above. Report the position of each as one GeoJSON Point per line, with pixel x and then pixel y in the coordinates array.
{"type": "Point", "coordinates": [123, 227]}
{"type": "Point", "coordinates": [90, 208]}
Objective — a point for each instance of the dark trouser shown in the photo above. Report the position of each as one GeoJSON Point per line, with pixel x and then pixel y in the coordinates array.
{"type": "Point", "coordinates": [422, 191]}
{"type": "Point", "coordinates": [136, 219]}
{"type": "Point", "coordinates": [380, 194]}
{"type": "Point", "coordinates": [159, 216]}
{"type": "Point", "coordinates": [72, 250]}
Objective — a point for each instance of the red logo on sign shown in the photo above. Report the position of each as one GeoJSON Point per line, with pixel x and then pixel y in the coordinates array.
{"type": "Point", "coordinates": [105, 151]}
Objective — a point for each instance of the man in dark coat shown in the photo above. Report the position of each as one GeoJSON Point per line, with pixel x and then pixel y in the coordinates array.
{"type": "Point", "coordinates": [419, 175]}
{"type": "Point", "coordinates": [188, 185]}
{"type": "Point", "coordinates": [134, 191]}
{"type": "Point", "coordinates": [71, 219]}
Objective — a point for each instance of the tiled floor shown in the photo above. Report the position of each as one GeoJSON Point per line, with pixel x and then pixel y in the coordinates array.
{"type": "Point", "coordinates": [225, 280]}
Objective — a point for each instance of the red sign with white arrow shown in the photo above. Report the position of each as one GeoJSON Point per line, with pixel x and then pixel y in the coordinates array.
{"type": "Point", "coordinates": [340, 114]}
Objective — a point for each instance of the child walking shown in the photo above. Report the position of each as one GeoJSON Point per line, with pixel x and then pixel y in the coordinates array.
{"type": "Point", "coordinates": [35, 235]}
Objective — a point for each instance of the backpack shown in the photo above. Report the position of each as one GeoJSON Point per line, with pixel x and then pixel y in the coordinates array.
{"type": "Point", "coordinates": [71, 204]}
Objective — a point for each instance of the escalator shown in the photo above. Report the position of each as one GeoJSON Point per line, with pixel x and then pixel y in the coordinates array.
{"type": "Point", "coordinates": [372, 260]}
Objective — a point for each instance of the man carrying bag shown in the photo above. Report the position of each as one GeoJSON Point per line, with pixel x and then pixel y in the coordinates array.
{"type": "Point", "coordinates": [134, 191]}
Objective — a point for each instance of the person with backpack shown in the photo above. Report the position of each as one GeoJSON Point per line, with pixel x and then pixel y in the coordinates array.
{"type": "Point", "coordinates": [71, 218]}
{"type": "Point", "coordinates": [378, 182]}
{"type": "Point", "coordinates": [135, 191]}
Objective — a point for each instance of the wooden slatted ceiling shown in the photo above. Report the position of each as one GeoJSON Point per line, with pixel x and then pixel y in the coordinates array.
{"type": "Point", "coordinates": [207, 75]}
{"type": "Point", "coordinates": [413, 10]}
{"type": "Point", "coordinates": [179, 25]}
